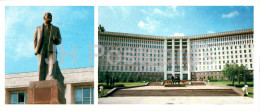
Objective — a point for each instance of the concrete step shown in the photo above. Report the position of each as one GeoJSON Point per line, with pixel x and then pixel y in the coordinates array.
{"type": "Point", "coordinates": [154, 83]}
{"type": "Point", "coordinates": [176, 92]}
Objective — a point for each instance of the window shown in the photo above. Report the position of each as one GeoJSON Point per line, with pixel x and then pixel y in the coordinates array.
{"type": "Point", "coordinates": [84, 95]}
{"type": "Point", "coordinates": [18, 97]}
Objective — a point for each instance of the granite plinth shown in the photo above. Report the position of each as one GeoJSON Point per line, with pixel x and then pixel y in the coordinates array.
{"type": "Point", "coordinates": [46, 92]}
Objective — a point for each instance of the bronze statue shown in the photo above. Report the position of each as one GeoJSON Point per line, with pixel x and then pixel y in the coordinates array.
{"type": "Point", "coordinates": [46, 37]}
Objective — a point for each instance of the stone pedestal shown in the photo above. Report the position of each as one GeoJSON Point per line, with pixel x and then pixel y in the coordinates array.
{"type": "Point", "coordinates": [46, 92]}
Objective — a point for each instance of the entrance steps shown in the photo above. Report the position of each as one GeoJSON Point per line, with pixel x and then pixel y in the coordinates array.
{"type": "Point", "coordinates": [176, 92]}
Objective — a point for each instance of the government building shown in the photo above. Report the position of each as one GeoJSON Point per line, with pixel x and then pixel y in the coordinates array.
{"type": "Point", "coordinates": [157, 58]}
{"type": "Point", "coordinates": [79, 86]}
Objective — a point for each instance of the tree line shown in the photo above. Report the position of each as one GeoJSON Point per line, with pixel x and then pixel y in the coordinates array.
{"type": "Point", "coordinates": [236, 72]}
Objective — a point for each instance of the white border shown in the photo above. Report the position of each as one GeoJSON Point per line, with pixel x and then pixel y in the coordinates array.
{"type": "Point", "coordinates": [96, 3]}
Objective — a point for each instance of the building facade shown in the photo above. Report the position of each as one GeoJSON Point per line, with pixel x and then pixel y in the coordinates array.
{"type": "Point", "coordinates": [157, 58]}
{"type": "Point", "coordinates": [79, 86]}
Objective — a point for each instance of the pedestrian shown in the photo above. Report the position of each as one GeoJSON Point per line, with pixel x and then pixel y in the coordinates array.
{"type": "Point", "coordinates": [172, 79]}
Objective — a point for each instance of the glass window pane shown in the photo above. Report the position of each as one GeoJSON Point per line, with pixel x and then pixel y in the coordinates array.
{"type": "Point", "coordinates": [78, 96]}
{"type": "Point", "coordinates": [78, 101]}
{"type": "Point", "coordinates": [92, 97]}
{"type": "Point", "coordinates": [86, 92]}
{"type": "Point", "coordinates": [78, 93]}
{"type": "Point", "coordinates": [86, 102]}
{"type": "Point", "coordinates": [26, 97]}
{"type": "Point", "coordinates": [21, 98]}
{"type": "Point", "coordinates": [14, 97]}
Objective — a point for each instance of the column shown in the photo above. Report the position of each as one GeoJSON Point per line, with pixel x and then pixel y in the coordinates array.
{"type": "Point", "coordinates": [68, 94]}
{"type": "Point", "coordinates": [189, 62]}
{"type": "Point", "coordinates": [7, 97]}
{"type": "Point", "coordinates": [173, 58]}
{"type": "Point", "coordinates": [165, 59]}
{"type": "Point", "coordinates": [181, 74]}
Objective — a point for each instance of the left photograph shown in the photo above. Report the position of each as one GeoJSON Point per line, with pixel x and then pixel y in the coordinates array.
{"type": "Point", "coordinates": [49, 55]}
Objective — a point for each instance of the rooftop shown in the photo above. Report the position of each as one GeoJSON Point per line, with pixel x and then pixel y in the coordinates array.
{"type": "Point", "coordinates": [106, 33]}
{"type": "Point", "coordinates": [75, 75]}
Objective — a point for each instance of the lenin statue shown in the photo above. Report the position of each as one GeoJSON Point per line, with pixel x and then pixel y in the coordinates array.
{"type": "Point", "coordinates": [46, 37]}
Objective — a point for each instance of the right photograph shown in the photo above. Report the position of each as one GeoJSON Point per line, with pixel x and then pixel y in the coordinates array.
{"type": "Point", "coordinates": [175, 54]}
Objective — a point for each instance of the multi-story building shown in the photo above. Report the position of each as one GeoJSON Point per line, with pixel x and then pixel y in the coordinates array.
{"type": "Point", "coordinates": [79, 86]}
{"type": "Point", "coordinates": [189, 57]}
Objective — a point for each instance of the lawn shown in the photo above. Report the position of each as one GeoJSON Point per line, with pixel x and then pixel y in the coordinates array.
{"type": "Point", "coordinates": [126, 84]}
{"type": "Point", "coordinates": [224, 83]}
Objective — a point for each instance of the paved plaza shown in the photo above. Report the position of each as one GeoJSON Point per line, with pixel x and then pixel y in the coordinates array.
{"type": "Point", "coordinates": [176, 100]}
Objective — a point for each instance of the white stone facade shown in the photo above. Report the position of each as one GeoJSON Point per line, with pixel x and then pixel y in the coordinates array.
{"type": "Point", "coordinates": [189, 57]}
{"type": "Point", "coordinates": [74, 78]}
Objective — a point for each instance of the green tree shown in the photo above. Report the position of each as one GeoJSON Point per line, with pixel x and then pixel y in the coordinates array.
{"type": "Point", "coordinates": [137, 78]}
{"type": "Point", "coordinates": [231, 71]}
{"type": "Point", "coordinates": [107, 76]}
{"type": "Point", "coordinates": [122, 77]}
{"type": "Point", "coordinates": [244, 72]}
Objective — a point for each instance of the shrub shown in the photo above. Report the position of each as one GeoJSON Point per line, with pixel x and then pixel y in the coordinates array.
{"type": "Point", "coordinates": [213, 80]}
{"type": "Point", "coordinates": [240, 85]}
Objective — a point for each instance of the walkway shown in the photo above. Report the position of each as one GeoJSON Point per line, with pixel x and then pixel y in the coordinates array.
{"type": "Point", "coordinates": [176, 100]}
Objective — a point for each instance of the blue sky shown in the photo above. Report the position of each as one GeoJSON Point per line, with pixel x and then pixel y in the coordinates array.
{"type": "Point", "coordinates": [76, 25]}
{"type": "Point", "coordinates": [180, 20]}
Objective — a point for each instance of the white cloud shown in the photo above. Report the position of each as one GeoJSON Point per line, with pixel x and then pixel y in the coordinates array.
{"type": "Point", "coordinates": [125, 11]}
{"type": "Point", "coordinates": [169, 11]}
{"type": "Point", "coordinates": [143, 11]}
{"type": "Point", "coordinates": [209, 32]}
{"type": "Point", "coordinates": [148, 25]}
{"type": "Point", "coordinates": [178, 12]}
{"type": "Point", "coordinates": [230, 15]}
{"type": "Point", "coordinates": [178, 34]}
{"type": "Point", "coordinates": [121, 11]}
{"type": "Point", "coordinates": [21, 24]}
{"type": "Point", "coordinates": [141, 24]}
{"type": "Point", "coordinates": [24, 49]}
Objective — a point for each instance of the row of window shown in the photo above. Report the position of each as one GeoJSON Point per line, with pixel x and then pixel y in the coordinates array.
{"type": "Point", "coordinates": [83, 95]}
{"type": "Point", "coordinates": [220, 58]}
{"type": "Point", "coordinates": [132, 54]}
{"type": "Point", "coordinates": [133, 49]}
{"type": "Point", "coordinates": [177, 69]}
{"type": "Point", "coordinates": [223, 48]}
{"type": "Point", "coordinates": [222, 44]}
{"type": "Point", "coordinates": [128, 59]}
{"type": "Point", "coordinates": [217, 67]}
{"type": "Point", "coordinates": [241, 37]}
{"type": "Point", "coordinates": [147, 68]}
{"type": "Point", "coordinates": [223, 53]}
{"type": "Point", "coordinates": [127, 40]}
{"type": "Point", "coordinates": [220, 62]}
{"type": "Point", "coordinates": [130, 45]}
{"type": "Point", "coordinates": [130, 68]}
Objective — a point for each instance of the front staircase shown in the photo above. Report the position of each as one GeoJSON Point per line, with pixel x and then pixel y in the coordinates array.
{"type": "Point", "coordinates": [176, 92]}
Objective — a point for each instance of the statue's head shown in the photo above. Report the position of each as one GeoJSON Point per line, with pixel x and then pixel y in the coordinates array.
{"type": "Point", "coordinates": [47, 17]}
